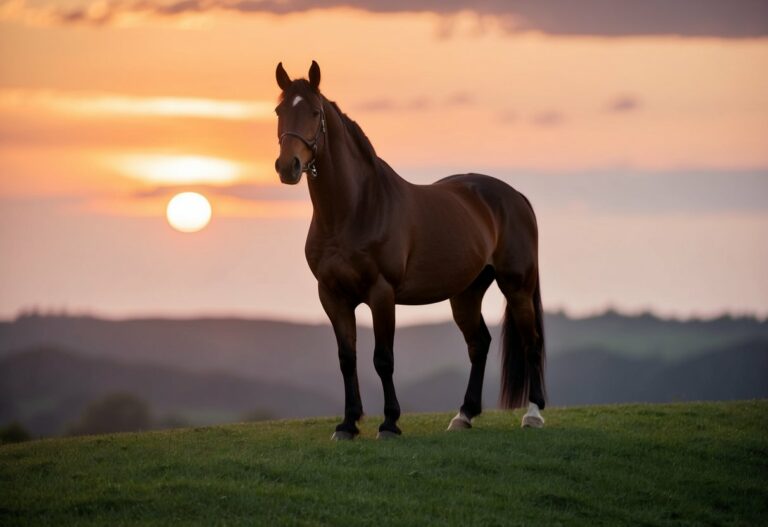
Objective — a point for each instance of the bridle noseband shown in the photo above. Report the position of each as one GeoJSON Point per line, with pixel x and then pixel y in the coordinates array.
{"type": "Point", "coordinates": [310, 167]}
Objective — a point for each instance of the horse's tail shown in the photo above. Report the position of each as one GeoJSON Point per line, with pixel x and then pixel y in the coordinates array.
{"type": "Point", "coordinates": [522, 366]}
{"type": "Point", "coordinates": [538, 354]}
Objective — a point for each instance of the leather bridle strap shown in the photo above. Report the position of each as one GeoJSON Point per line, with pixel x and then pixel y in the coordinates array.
{"type": "Point", "coordinates": [310, 167]}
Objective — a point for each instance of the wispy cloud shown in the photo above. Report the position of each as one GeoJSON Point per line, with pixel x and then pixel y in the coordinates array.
{"type": "Point", "coordinates": [127, 105]}
{"type": "Point", "coordinates": [243, 200]}
{"type": "Point", "coordinates": [507, 116]}
{"type": "Point", "coordinates": [630, 191]}
{"type": "Point", "coordinates": [175, 169]}
{"type": "Point", "coordinates": [623, 104]}
{"type": "Point", "coordinates": [246, 191]}
{"type": "Point", "coordinates": [386, 104]}
{"type": "Point", "coordinates": [460, 99]}
{"type": "Point", "coordinates": [548, 118]}
{"type": "Point", "coordinates": [415, 104]}
{"type": "Point", "coordinates": [689, 18]}
{"type": "Point", "coordinates": [377, 105]}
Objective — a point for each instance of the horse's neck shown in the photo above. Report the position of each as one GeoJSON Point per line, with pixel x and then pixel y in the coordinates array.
{"type": "Point", "coordinates": [343, 174]}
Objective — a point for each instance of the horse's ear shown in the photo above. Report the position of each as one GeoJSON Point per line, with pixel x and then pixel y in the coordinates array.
{"type": "Point", "coordinates": [314, 76]}
{"type": "Point", "coordinates": [283, 80]}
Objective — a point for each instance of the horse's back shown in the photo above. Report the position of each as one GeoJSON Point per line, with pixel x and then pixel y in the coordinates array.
{"type": "Point", "coordinates": [504, 200]}
{"type": "Point", "coordinates": [515, 221]}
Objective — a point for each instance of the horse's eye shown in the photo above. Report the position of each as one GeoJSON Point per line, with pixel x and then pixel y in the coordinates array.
{"type": "Point", "coordinates": [315, 112]}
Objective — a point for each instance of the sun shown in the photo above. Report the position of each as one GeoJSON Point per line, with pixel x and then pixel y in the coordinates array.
{"type": "Point", "coordinates": [188, 212]}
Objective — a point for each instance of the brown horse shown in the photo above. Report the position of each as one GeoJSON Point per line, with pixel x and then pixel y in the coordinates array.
{"type": "Point", "coordinates": [380, 240]}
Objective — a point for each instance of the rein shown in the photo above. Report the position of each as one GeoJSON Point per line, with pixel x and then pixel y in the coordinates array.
{"type": "Point", "coordinates": [310, 168]}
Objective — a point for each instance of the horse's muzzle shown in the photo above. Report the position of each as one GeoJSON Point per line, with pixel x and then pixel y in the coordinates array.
{"type": "Point", "coordinates": [290, 173]}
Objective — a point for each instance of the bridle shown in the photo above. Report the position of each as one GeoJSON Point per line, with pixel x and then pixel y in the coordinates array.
{"type": "Point", "coordinates": [310, 168]}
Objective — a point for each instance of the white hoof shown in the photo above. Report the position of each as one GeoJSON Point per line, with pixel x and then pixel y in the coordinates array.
{"type": "Point", "coordinates": [340, 435]}
{"type": "Point", "coordinates": [532, 421]}
{"type": "Point", "coordinates": [460, 422]}
{"type": "Point", "coordinates": [386, 434]}
{"type": "Point", "coordinates": [533, 417]}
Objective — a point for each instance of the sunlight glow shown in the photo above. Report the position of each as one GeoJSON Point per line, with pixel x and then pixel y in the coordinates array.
{"type": "Point", "coordinates": [125, 105]}
{"type": "Point", "coordinates": [188, 212]}
{"type": "Point", "coordinates": [170, 169]}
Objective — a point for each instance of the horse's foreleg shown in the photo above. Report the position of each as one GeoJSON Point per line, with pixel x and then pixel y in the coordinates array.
{"type": "Point", "coordinates": [382, 303]}
{"type": "Point", "coordinates": [342, 315]}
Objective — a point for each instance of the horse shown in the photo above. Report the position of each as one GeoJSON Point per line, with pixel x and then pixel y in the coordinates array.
{"type": "Point", "coordinates": [379, 240]}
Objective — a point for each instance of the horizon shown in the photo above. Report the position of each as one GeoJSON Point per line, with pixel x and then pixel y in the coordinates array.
{"type": "Point", "coordinates": [609, 312]}
{"type": "Point", "coordinates": [640, 139]}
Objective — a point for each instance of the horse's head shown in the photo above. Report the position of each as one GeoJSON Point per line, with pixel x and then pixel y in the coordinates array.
{"type": "Point", "coordinates": [300, 124]}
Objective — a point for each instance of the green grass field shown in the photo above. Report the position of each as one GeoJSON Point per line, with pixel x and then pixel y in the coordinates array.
{"type": "Point", "coordinates": [676, 464]}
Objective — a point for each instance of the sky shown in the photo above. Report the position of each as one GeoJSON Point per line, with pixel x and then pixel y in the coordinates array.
{"type": "Point", "coordinates": [639, 131]}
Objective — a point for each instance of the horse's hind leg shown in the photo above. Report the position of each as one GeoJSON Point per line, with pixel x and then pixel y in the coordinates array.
{"type": "Point", "coordinates": [523, 348]}
{"type": "Point", "coordinates": [468, 316]}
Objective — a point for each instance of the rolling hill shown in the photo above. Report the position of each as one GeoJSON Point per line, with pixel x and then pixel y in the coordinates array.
{"type": "Point", "coordinates": [206, 371]}
{"type": "Point", "coordinates": [287, 350]}
{"type": "Point", "coordinates": [47, 390]}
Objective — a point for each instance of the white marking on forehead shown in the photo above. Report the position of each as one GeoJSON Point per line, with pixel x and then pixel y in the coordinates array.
{"type": "Point", "coordinates": [296, 100]}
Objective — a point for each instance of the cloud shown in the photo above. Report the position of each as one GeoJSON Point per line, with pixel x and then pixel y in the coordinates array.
{"type": "Point", "coordinates": [109, 104]}
{"type": "Point", "coordinates": [177, 169]}
{"type": "Point", "coordinates": [605, 18]}
{"type": "Point", "coordinates": [243, 191]}
{"type": "Point", "coordinates": [508, 117]}
{"type": "Point", "coordinates": [623, 103]}
{"type": "Point", "coordinates": [416, 104]}
{"type": "Point", "coordinates": [548, 118]}
{"type": "Point", "coordinates": [238, 200]}
{"type": "Point", "coordinates": [385, 104]}
{"type": "Point", "coordinates": [377, 105]}
{"type": "Point", "coordinates": [630, 191]}
{"type": "Point", "coordinates": [460, 99]}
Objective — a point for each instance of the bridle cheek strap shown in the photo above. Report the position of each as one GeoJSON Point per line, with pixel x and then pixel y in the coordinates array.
{"type": "Point", "coordinates": [310, 168]}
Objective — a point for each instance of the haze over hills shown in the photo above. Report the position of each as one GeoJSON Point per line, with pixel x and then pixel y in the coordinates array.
{"type": "Point", "coordinates": [49, 388]}
{"type": "Point", "coordinates": [213, 370]}
{"type": "Point", "coordinates": [284, 351]}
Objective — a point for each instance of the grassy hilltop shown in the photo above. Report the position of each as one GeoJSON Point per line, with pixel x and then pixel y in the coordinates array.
{"type": "Point", "coordinates": [695, 463]}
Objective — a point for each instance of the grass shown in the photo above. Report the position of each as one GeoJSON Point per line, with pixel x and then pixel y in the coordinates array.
{"type": "Point", "coordinates": [675, 464]}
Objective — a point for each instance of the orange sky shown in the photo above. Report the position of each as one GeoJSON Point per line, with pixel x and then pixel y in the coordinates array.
{"type": "Point", "coordinates": [645, 155]}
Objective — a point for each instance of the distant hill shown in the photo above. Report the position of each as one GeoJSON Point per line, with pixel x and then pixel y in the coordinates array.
{"type": "Point", "coordinates": [306, 354]}
{"type": "Point", "coordinates": [47, 389]}
{"type": "Point", "coordinates": [600, 377]}
{"type": "Point", "coordinates": [215, 370]}
{"type": "Point", "coordinates": [646, 335]}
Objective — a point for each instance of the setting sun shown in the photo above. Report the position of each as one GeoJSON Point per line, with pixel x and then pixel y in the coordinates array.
{"type": "Point", "coordinates": [188, 212]}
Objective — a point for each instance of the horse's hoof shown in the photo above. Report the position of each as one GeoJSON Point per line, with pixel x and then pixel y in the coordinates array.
{"type": "Point", "coordinates": [460, 422]}
{"type": "Point", "coordinates": [341, 435]}
{"type": "Point", "coordinates": [532, 421]}
{"type": "Point", "coordinates": [386, 434]}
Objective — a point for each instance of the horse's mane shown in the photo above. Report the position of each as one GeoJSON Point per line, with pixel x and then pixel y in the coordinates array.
{"type": "Point", "coordinates": [354, 130]}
